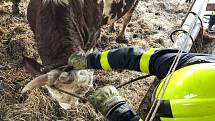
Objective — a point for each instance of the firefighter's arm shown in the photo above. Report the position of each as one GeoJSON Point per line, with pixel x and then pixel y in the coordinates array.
{"type": "Point", "coordinates": [125, 58]}
{"type": "Point", "coordinates": [110, 104]}
{"type": "Point", "coordinates": [161, 61]}
{"type": "Point", "coordinates": [153, 61]}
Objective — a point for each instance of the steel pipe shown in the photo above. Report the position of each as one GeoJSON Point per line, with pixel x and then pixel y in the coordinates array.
{"type": "Point", "coordinates": [192, 25]}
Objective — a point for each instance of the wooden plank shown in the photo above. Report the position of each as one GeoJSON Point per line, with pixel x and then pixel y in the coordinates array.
{"type": "Point", "coordinates": [210, 7]}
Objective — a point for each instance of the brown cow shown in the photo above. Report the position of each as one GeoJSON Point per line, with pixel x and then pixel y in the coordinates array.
{"type": "Point", "coordinates": [63, 27]}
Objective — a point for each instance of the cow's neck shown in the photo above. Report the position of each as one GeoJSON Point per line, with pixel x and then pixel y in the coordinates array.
{"type": "Point", "coordinates": [65, 29]}
{"type": "Point", "coordinates": [58, 33]}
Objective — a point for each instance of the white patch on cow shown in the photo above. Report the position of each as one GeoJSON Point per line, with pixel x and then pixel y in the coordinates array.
{"type": "Point", "coordinates": [107, 10]}
{"type": "Point", "coordinates": [122, 9]}
{"type": "Point", "coordinates": [65, 2]}
{"type": "Point", "coordinates": [82, 1]}
{"type": "Point", "coordinates": [81, 86]}
{"type": "Point", "coordinates": [124, 3]}
{"type": "Point", "coordinates": [99, 1]}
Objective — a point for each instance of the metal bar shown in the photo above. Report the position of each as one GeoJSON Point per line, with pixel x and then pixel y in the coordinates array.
{"type": "Point", "coordinates": [209, 13]}
{"type": "Point", "coordinates": [192, 25]}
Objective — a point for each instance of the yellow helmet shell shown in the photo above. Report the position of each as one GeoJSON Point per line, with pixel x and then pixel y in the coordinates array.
{"type": "Point", "coordinates": [191, 93]}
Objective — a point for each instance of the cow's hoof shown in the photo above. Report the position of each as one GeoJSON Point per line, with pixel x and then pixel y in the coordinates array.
{"type": "Point", "coordinates": [121, 39]}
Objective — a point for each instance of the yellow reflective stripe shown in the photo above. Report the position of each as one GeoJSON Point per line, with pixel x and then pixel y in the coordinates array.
{"type": "Point", "coordinates": [141, 119]}
{"type": "Point", "coordinates": [144, 61]}
{"type": "Point", "coordinates": [213, 12]}
{"type": "Point", "coordinates": [104, 61]}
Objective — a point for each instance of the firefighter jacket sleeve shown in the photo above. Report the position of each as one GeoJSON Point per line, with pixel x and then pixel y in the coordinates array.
{"type": "Point", "coordinates": [161, 61]}
{"type": "Point", "coordinates": [124, 58]}
{"type": "Point", "coordinates": [153, 61]}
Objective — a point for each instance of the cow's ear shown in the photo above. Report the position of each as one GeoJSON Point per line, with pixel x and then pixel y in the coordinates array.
{"type": "Point", "coordinates": [32, 65]}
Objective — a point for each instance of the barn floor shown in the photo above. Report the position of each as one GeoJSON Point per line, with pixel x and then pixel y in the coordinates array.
{"type": "Point", "coordinates": [151, 25]}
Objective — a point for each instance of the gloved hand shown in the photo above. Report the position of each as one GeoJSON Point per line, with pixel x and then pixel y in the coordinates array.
{"type": "Point", "coordinates": [105, 99]}
{"type": "Point", "coordinates": [78, 60]}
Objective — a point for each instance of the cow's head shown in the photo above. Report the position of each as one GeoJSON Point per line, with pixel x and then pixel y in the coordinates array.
{"type": "Point", "coordinates": [79, 83]}
{"type": "Point", "coordinates": [62, 27]}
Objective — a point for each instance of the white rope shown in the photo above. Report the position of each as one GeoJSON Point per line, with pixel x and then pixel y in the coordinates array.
{"type": "Point", "coordinates": [166, 82]}
{"type": "Point", "coordinates": [156, 103]}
